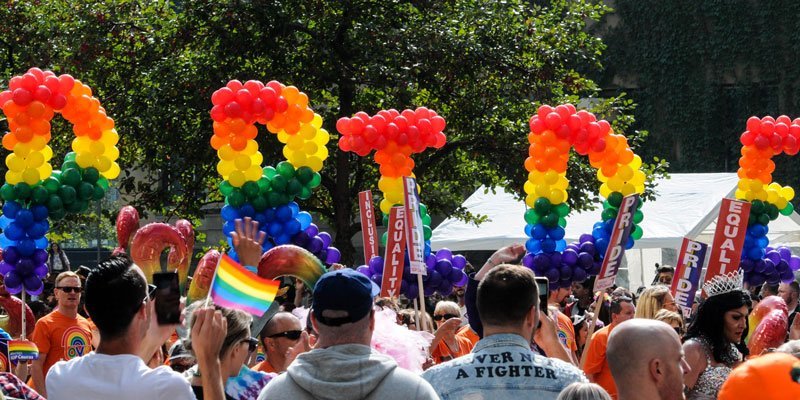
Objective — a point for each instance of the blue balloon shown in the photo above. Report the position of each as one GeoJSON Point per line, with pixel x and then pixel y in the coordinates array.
{"type": "Point", "coordinates": [11, 208]}
{"type": "Point", "coordinates": [15, 232]}
{"type": "Point", "coordinates": [561, 245]}
{"type": "Point", "coordinates": [601, 245]}
{"type": "Point", "coordinates": [40, 213]}
{"type": "Point", "coordinates": [283, 213]}
{"type": "Point", "coordinates": [37, 230]}
{"type": "Point", "coordinates": [232, 253]}
{"type": "Point", "coordinates": [229, 213]}
{"type": "Point", "coordinates": [41, 243]}
{"type": "Point", "coordinates": [304, 218]}
{"type": "Point", "coordinates": [548, 245]}
{"type": "Point", "coordinates": [755, 253]}
{"type": "Point", "coordinates": [629, 243]}
{"type": "Point", "coordinates": [291, 227]}
{"type": "Point", "coordinates": [24, 218]}
{"type": "Point", "coordinates": [533, 246]}
{"type": "Point", "coordinates": [427, 250]}
{"type": "Point", "coordinates": [228, 227]}
{"type": "Point", "coordinates": [4, 222]}
{"type": "Point", "coordinates": [275, 229]}
{"type": "Point", "coordinates": [261, 219]}
{"type": "Point", "coordinates": [266, 246]}
{"type": "Point", "coordinates": [294, 207]}
{"type": "Point", "coordinates": [5, 242]}
{"type": "Point", "coordinates": [247, 210]}
{"type": "Point", "coordinates": [598, 233]}
{"type": "Point", "coordinates": [763, 242]}
{"type": "Point", "coordinates": [283, 239]}
{"type": "Point", "coordinates": [528, 230]}
{"type": "Point", "coordinates": [598, 225]}
{"type": "Point", "coordinates": [557, 233]}
{"type": "Point", "coordinates": [539, 232]}
{"type": "Point", "coordinates": [608, 226]}
{"type": "Point", "coordinates": [26, 247]}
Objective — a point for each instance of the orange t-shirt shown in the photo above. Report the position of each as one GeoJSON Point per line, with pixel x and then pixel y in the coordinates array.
{"type": "Point", "coordinates": [467, 332]}
{"type": "Point", "coordinates": [442, 353]}
{"type": "Point", "coordinates": [62, 338]}
{"type": "Point", "coordinates": [566, 333]}
{"type": "Point", "coordinates": [597, 363]}
{"type": "Point", "coordinates": [264, 366]}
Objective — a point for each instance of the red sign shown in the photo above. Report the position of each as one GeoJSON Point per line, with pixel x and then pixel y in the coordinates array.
{"type": "Point", "coordinates": [691, 259]}
{"type": "Point", "coordinates": [616, 243]}
{"type": "Point", "coordinates": [414, 232]}
{"type": "Point", "coordinates": [726, 251]}
{"type": "Point", "coordinates": [368, 230]}
{"type": "Point", "coordinates": [395, 254]}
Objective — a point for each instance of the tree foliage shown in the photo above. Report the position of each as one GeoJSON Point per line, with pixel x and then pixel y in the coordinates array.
{"type": "Point", "coordinates": [482, 64]}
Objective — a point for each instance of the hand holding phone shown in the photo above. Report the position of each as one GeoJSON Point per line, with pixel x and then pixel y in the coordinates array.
{"type": "Point", "coordinates": [543, 284]}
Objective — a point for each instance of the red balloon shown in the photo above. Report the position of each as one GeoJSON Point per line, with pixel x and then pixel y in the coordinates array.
{"type": "Point", "coordinates": [438, 123]}
{"type": "Point", "coordinates": [767, 127]}
{"type": "Point", "coordinates": [244, 98]}
{"type": "Point", "coordinates": [553, 120]}
{"type": "Point", "coordinates": [747, 138]}
{"type": "Point", "coordinates": [761, 142]}
{"type": "Point", "coordinates": [784, 120]}
{"type": "Point", "coordinates": [42, 93]}
{"type": "Point", "coordinates": [391, 131]}
{"type": "Point", "coordinates": [222, 96]}
{"type": "Point", "coordinates": [563, 112]}
{"type": "Point", "coordinates": [343, 125]}
{"type": "Point", "coordinates": [217, 113]}
{"type": "Point", "coordinates": [233, 109]}
{"type": "Point", "coordinates": [782, 129]}
{"type": "Point", "coordinates": [234, 85]}
{"type": "Point", "coordinates": [537, 125]}
{"type": "Point", "coordinates": [543, 111]}
{"type": "Point", "coordinates": [22, 97]}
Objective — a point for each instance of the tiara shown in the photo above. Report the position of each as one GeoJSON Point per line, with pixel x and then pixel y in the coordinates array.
{"type": "Point", "coordinates": [724, 283]}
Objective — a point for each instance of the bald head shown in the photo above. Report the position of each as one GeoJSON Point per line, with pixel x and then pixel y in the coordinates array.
{"type": "Point", "coordinates": [646, 354]}
{"type": "Point", "coordinates": [280, 322]}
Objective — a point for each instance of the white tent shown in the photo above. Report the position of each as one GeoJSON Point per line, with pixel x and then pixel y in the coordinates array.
{"type": "Point", "coordinates": [685, 205]}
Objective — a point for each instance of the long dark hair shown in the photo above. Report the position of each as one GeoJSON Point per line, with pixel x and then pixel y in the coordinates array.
{"type": "Point", "coordinates": [710, 320]}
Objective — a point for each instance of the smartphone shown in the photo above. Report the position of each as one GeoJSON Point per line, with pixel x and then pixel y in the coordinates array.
{"type": "Point", "coordinates": [167, 298]}
{"type": "Point", "coordinates": [543, 284]}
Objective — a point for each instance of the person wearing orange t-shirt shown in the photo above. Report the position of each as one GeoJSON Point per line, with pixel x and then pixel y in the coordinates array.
{"type": "Point", "coordinates": [467, 332]}
{"type": "Point", "coordinates": [280, 337]}
{"type": "Point", "coordinates": [596, 367]}
{"type": "Point", "coordinates": [446, 345]}
{"type": "Point", "coordinates": [566, 334]}
{"type": "Point", "coordinates": [62, 334]}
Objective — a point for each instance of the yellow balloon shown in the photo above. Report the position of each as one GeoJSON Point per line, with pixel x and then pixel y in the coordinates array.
{"type": "Point", "coordinates": [112, 172]}
{"type": "Point", "coordinates": [628, 189]}
{"type": "Point", "coordinates": [97, 148]}
{"type": "Point", "coordinates": [112, 152]}
{"type": "Point", "coordinates": [236, 178]}
{"type": "Point", "coordinates": [394, 197]}
{"type": "Point", "coordinates": [37, 143]}
{"type": "Point", "coordinates": [781, 203]}
{"type": "Point", "coordinates": [563, 183]}
{"type": "Point", "coordinates": [315, 163]}
{"type": "Point", "coordinates": [104, 163]}
{"type": "Point", "coordinates": [322, 154]}
{"type": "Point", "coordinates": [639, 188]}
{"type": "Point", "coordinates": [636, 163]}
{"type": "Point", "coordinates": [605, 191]}
{"type": "Point", "coordinates": [615, 183]}
{"type": "Point", "coordinates": [35, 159]}
{"type": "Point", "coordinates": [557, 196]}
{"type": "Point", "coordinates": [542, 191]}
{"type": "Point", "coordinates": [242, 162]}
{"type": "Point", "coordinates": [253, 173]}
{"type": "Point", "coordinates": [22, 149]}
{"type": "Point", "coordinates": [551, 177]}
{"type": "Point", "coordinates": [283, 137]}
{"type": "Point", "coordinates": [529, 187]}
{"type": "Point", "coordinates": [15, 163]}
{"type": "Point", "coordinates": [625, 173]}
{"type": "Point", "coordinates": [740, 194]}
{"type": "Point", "coordinates": [762, 195]}
{"type": "Point", "coordinates": [298, 159]}
{"type": "Point", "coordinates": [638, 178]}
{"type": "Point", "coordinates": [251, 147]}
{"type": "Point", "coordinates": [226, 153]}
{"type": "Point", "coordinates": [322, 137]}
{"type": "Point", "coordinates": [110, 137]}
{"type": "Point", "coordinates": [787, 193]}
{"type": "Point", "coordinates": [530, 200]}
{"type": "Point", "coordinates": [225, 168]}
{"type": "Point", "coordinates": [316, 122]}
{"type": "Point", "coordinates": [47, 152]}
{"type": "Point", "coordinates": [85, 160]}
{"type": "Point", "coordinates": [45, 171]}
{"type": "Point", "coordinates": [306, 132]}
{"type": "Point", "coordinates": [30, 176]}
{"type": "Point", "coordinates": [385, 206]}
{"type": "Point", "coordinates": [295, 142]}
{"type": "Point", "coordinates": [743, 184]}
{"type": "Point", "coordinates": [310, 148]}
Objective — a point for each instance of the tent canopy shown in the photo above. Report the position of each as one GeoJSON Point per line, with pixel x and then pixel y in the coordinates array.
{"type": "Point", "coordinates": [685, 205]}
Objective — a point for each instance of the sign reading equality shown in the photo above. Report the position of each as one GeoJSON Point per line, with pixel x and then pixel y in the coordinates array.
{"type": "Point", "coordinates": [395, 253]}
{"type": "Point", "coordinates": [726, 251]}
{"type": "Point", "coordinates": [616, 243]}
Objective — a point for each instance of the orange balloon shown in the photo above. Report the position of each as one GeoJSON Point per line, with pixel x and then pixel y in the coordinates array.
{"type": "Point", "coordinates": [217, 142]}
{"type": "Point", "coordinates": [530, 162]}
{"type": "Point", "coordinates": [9, 141]}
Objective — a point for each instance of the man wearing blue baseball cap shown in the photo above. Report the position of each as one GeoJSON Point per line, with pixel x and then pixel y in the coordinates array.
{"type": "Point", "coordinates": [343, 366]}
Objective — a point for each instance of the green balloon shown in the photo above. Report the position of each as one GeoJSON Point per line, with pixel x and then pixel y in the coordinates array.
{"type": "Point", "coordinates": [285, 169]}
{"type": "Point", "coordinates": [542, 205]}
{"type": "Point", "coordinates": [562, 209]}
{"type": "Point", "coordinates": [263, 184]}
{"type": "Point", "coordinates": [260, 203]}
{"type": "Point", "coordinates": [103, 183]}
{"type": "Point", "coordinates": [40, 195]}
{"type": "Point", "coordinates": [236, 198]}
{"type": "Point", "coordinates": [69, 164]}
{"type": "Point", "coordinates": [85, 191]}
{"type": "Point", "coordinates": [274, 199]}
{"type": "Point", "coordinates": [383, 238]}
{"type": "Point", "coordinates": [70, 156]}
{"type": "Point", "coordinates": [763, 219]}
{"type": "Point", "coordinates": [608, 213]}
{"type": "Point", "coordinates": [52, 184]}
{"type": "Point", "coordinates": [22, 191]}
{"type": "Point", "coordinates": [426, 220]}
{"type": "Point", "coordinates": [315, 181]}
{"type": "Point", "coordinates": [788, 210]}
{"type": "Point", "coordinates": [427, 232]}
{"type": "Point", "coordinates": [562, 222]}
{"type": "Point", "coordinates": [423, 209]}
{"type": "Point", "coordinates": [550, 220]}
{"type": "Point", "coordinates": [57, 214]}
{"type": "Point", "coordinates": [279, 183]}
{"type": "Point", "coordinates": [54, 203]}
{"type": "Point", "coordinates": [225, 188]}
{"type": "Point", "coordinates": [74, 207]}
{"type": "Point", "coordinates": [294, 187]}
{"type": "Point", "coordinates": [98, 193]}
{"type": "Point", "coordinates": [7, 192]}
{"type": "Point", "coordinates": [269, 172]}
{"type": "Point", "coordinates": [638, 217]}
{"type": "Point", "coordinates": [757, 206]}
{"type": "Point", "coordinates": [304, 175]}
{"type": "Point", "coordinates": [251, 189]}
{"type": "Point", "coordinates": [637, 233]}
{"type": "Point", "coordinates": [71, 176]}
{"type": "Point", "coordinates": [305, 193]}
{"type": "Point", "coordinates": [67, 194]}
{"type": "Point", "coordinates": [91, 175]}
{"type": "Point", "coordinates": [385, 219]}
{"type": "Point", "coordinates": [615, 199]}
{"type": "Point", "coordinates": [531, 217]}
{"type": "Point", "coordinates": [773, 212]}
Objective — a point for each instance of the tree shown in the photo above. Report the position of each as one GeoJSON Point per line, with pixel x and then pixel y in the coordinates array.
{"type": "Point", "coordinates": [483, 65]}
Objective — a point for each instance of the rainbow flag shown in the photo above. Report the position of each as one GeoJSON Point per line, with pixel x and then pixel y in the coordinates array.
{"type": "Point", "coordinates": [236, 287]}
{"type": "Point", "coordinates": [22, 350]}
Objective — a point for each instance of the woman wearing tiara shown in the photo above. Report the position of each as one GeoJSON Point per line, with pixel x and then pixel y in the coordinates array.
{"type": "Point", "coordinates": [710, 343]}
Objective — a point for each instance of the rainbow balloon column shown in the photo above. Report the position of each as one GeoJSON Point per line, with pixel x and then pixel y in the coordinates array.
{"type": "Point", "coordinates": [764, 139]}
{"type": "Point", "coordinates": [553, 132]}
{"type": "Point", "coordinates": [395, 136]}
{"type": "Point", "coordinates": [33, 191]}
{"type": "Point", "coordinates": [267, 194]}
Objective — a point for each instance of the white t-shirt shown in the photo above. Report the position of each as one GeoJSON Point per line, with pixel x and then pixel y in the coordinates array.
{"type": "Point", "coordinates": [120, 377]}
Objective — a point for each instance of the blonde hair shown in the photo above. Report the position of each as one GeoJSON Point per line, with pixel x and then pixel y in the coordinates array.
{"type": "Point", "coordinates": [583, 391]}
{"type": "Point", "coordinates": [447, 307]}
{"type": "Point", "coordinates": [669, 317]}
{"type": "Point", "coordinates": [651, 301]}
{"type": "Point", "coordinates": [65, 275]}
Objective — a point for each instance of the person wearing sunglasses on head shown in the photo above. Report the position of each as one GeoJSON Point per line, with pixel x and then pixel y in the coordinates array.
{"type": "Point", "coordinates": [280, 337]}
{"type": "Point", "coordinates": [446, 344]}
{"type": "Point", "coordinates": [236, 348]}
{"type": "Point", "coordinates": [62, 334]}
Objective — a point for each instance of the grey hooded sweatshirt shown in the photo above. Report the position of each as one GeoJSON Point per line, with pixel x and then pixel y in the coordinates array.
{"type": "Point", "coordinates": [349, 371]}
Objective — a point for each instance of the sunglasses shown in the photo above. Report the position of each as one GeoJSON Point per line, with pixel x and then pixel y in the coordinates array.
{"type": "Point", "coordinates": [291, 335]}
{"type": "Point", "coordinates": [445, 317]}
{"type": "Point", "coordinates": [252, 344]}
{"type": "Point", "coordinates": [70, 289]}
{"type": "Point", "coordinates": [151, 290]}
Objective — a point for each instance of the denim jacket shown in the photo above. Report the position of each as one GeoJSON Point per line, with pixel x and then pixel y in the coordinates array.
{"type": "Point", "coordinates": [502, 367]}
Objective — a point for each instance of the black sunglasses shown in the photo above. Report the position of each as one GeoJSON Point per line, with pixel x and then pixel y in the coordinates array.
{"type": "Point", "coordinates": [252, 344]}
{"type": "Point", "coordinates": [445, 317]}
{"type": "Point", "coordinates": [70, 289]}
{"type": "Point", "coordinates": [291, 335]}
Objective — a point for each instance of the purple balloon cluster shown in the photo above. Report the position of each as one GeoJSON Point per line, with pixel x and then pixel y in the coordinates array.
{"type": "Point", "coordinates": [318, 243]}
{"type": "Point", "coordinates": [576, 263]}
{"type": "Point", "coordinates": [26, 272]}
{"type": "Point", "coordinates": [778, 265]}
{"type": "Point", "coordinates": [444, 272]}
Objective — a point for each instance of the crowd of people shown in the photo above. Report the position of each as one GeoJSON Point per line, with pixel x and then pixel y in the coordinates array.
{"type": "Point", "coordinates": [491, 339]}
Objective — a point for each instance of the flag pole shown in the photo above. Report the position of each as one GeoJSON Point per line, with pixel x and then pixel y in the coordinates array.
{"type": "Point", "coordinates": [214, 278]}
{"type": "Point", "coordinates": [24, 330]}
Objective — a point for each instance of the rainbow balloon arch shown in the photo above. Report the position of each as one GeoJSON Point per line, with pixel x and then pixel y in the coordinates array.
{"type": "Point", "coordinates": [553, 132]}
{"type": "Point", "coordinates": [765, 138]}
{"type": "Point", "coordinates": [33, 192]}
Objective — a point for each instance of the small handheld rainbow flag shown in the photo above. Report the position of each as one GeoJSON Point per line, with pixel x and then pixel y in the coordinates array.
{"type": "Point", "coordinates": [22, 350]}
{"type": "Point", "coordinates": [237, 288]}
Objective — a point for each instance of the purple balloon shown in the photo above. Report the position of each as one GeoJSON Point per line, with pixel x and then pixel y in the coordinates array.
{"type": "Point", "coordinates": [574, 246]}
{"type": "Point", "coordinates": [326, 239]}
{"type": "Point", "coordinates": [5, 267]}
{"type": "Point", "coordinates": [430, 260]}
{"type": "Point", "coordinates": [459, 261]}
{"type": "Point", "coordinates": [443, 254]}
{"type": "Point", "coordinates": [569, 257]}
{"type": "Point", "coordinates": [595, 269]}
{"type": "Point", "coordinates": [13, 282]}
{"type": "Point", "coordinates": [566, 272]}
{"type": "Point", "coordinates": [429, 290]}
{"type": "Point", "coordinates": [528, 260]}
{"type": "Point", "coordinates": [552, 274]}
{"type": "Point", "coordinates": [541, 262]}
{"type": "Point", "coordinates": [301, 238]}
{"type": "Point", "coordinates": [769, 267]}
{"type": "Point", "coordinates": [11, 255]}
{"type": "Point", "coordinates": [315, 245]}
{"type": "Point", "coordinates": [585, 259]}
{"type": "Point", "coordinates": [588, 247]}
{"type": "Point", "coordinates": [375, 263]}
{"type": "Point", "coordinates": [586, 238]}
{"type": "Point", "coordinates": [455, 275]}
{"type": "Point", "coordinates": [444, 266]}
{"type": "Point", "coordinates": [564, 283]}
{"type": "Point", "coordinates": [412, 291]}
{"type": "Point", "coordinates": [462, 281]}
{"type": "Point", "coordinates": [774, 256]}
{"type": "Point", "coordinates": [40, 256]}
{"type": "Point", "coordinates": [785, 253]}
{"type": "Point", "coordinates": [434, 279]}
{"type": "Point", "coordinates": [756, 279]}
{"type": "Point", "coordinates": [377, 278]}
{"type": "Point", "coordinates": [761, 266]}
{"type": "Point", "coordinates": [33, 285]}
{"type": "Point", "coordinates": [40, 271]}
{"type": "Point", "coordinates": [747, 265]}
{"type": "Point", "coordinates": [364, 270]}
{"type": "Point", "coordinates": [579, 275]}
{"type": "Point", "coordinates": [553, 286]}
{"type": "Point", "coordinates": [312, 230]}
{"type": "Point", "coordinates": [333, 255]}
{"type": "Point", "coordinates": [24, 267]}
{"type": "Point", "coordinates": [794, 263]}
{"type": "Point", "coordinates": [787, 276]}
{"type": "Point", "coordinates": [555, 258]}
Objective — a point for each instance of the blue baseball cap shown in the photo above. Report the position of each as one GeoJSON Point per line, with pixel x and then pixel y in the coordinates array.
{"type": "Point", "coordinates": [346, 291]}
